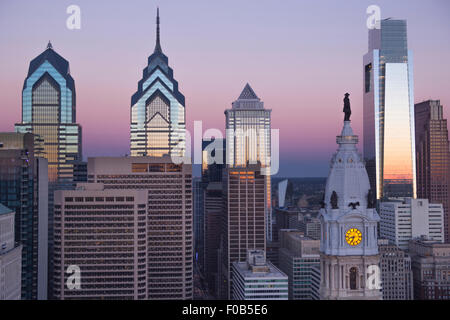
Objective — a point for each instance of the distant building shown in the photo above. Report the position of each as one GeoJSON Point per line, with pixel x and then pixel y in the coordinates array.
{"type": "Point", "coordinates": [104, 233]}
{"type": "Point", "coordinates": [169, 217]}
{"type": "Point", "coordinates": [310, 226]}
{"type": "Point", "coordinates": [431, 269]}
{"type": "Point", "coordinates": [244, 224]}
{"type": "Point", "coordinates": [258, 279]}
{"type": "Point", "coordinates": [10, 257]}
{"type": "Point", "coordinates": [214, 216]}
{"type": "Point", "coordinates": [407, 218]}
{"type": "Point", "coordinates": [300, 261]}
{"type": "Point", "coordinates": [199, 223]}
{"type": "Point", "coordinates": [24, 189]}
{"type": "Point", "coordinates": [433, 157]}
{"type": "Point", "coordinates": [248, 129]}
{"type": "Point", "coordinates": [396, 273]}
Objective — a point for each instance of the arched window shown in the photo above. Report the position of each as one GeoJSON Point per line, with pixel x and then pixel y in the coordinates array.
{"type": "Point", "coordinates": [353, 277]}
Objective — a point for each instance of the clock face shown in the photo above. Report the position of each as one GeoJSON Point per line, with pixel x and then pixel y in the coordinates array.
{"type": "Point", "coordinates": [353, 236]}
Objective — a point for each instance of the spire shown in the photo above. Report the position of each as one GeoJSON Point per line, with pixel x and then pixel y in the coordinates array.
{"type": "Point", "coordinates": [49, 45]}
{"type": "Point", "coordinates": [158, 44]}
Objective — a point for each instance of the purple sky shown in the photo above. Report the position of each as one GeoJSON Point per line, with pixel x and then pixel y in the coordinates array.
{"type": "Point", "coordinates": [300, 57]}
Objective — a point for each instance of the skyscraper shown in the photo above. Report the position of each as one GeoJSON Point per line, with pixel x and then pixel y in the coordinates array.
{"type": "Point", "coordinates": [433, 157]}
{"type": "Point", "coordinates": [24, 189]}
{"type": "Point", "coordinates": [104, 233]}
{"type": "Point", "coordinates": [348, 246]}
{"type": "Point", "coordinates": [243, 226]}
{"type": "Point", "coordinates": [169, 217]}
{"type": "Point", "coordinates": [389, 137]}
{"type": "Point", "coordinates": [48, 111]}
{"type": "Point", "coordinates": [248, 131]}
{"type": "Point", "coordinates": [157, 109]}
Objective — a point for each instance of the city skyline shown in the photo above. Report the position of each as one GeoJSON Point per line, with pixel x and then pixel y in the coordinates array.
{"type": "Point", "coordinates": [280, 70]}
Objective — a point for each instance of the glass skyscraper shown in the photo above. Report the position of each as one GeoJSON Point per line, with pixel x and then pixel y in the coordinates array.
{"type": "Point", "coordinates": [248, 137]}
{"type": "Point", "coordinates": [48, 111]}
{"type": "Point", "coordinates": [389, 136]}
{"type": "Point", "coordinates": [157, 109]}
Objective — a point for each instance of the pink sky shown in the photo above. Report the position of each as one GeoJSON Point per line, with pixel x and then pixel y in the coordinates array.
{"type": "Point", "coordinates": [299, 57]}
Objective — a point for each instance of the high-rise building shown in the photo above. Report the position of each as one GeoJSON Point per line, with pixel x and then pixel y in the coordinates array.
{"type": "Point", "coordinates": [300, 261]}
{"type": "Point", "coordinates": [407, 218]}
{"type": "Point", "coordinates": [24, 189]}
{"type": "Point", "coordinates": [396, 273]}
{"type": "Point", "coordinates": [214, 214]}
{"type": "Point", "coordinates": [48, 111]}
{"type": "Point", "coordinates": [248, 131]}
{"type": "Point", "coordinates": [103, 233]}
{"type": "Point", "coordinates": [258, 279]}
{"type": "Point", "coordinates": [169, 217]}
{"type": "Point", "coordinates": [388, 113]}
{"type": "Point", "coordinates": [157, 109]}
{"type": "Point", "coordinates": [199, 222]}
{"type": "Point", "coordinates": [433, 157]}
{"type": "Point", "coordinates": [244, 223]}
{"type": "Point", "coordinates": [348, 246]}
{"type": "Point", "coordinates": [10, 257]}
{"type": "Point", "coordinates": [431, 269]}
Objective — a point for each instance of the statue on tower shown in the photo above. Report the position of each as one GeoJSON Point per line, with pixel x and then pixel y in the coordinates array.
{"type": "Point", "coordinates": [347, 109]}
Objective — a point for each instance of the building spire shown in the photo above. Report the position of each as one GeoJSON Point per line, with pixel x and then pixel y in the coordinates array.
{"type": "Point", "coordinates": [158, 44]}
{"type": "Point", "coordinates": [49, 45]}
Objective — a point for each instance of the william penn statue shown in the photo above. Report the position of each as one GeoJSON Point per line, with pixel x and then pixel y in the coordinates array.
{"type": "Point", "coordinates": [347, 109]}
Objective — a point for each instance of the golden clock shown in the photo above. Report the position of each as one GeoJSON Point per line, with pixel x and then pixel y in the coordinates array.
{"type": "Point", "coordinates": [353, 236]}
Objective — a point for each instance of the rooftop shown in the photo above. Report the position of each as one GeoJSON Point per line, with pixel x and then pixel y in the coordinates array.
{"type": "Point", "coordinates": [4, 210]}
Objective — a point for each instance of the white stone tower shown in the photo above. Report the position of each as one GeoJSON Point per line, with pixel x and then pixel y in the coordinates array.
{"type": "Point", "coordinates": [349, 249]}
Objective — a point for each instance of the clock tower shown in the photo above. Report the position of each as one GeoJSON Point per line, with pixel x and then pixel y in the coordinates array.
{"type": "Point", "coordinates": [348, 246]}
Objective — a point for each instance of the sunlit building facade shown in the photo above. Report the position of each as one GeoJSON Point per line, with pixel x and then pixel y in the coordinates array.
{"type": "Point", "coordinates": [157, 110]}
{"type": "Point", "coordinates": [389, 136]}
{"type": "Point", "coordinates": [433, 157]}
{"type": "Point", "coordinates": [48, 111]}
{"type": "Point", "coordinates": [248, 137]}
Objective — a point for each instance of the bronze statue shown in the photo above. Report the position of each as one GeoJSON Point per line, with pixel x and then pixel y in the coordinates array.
{"type": "Point", "coordinates": [347, 109]}
{"type": "Point", "coordinates": [334, 200]}
{"type": "Point", "coordinates": [353, 205]}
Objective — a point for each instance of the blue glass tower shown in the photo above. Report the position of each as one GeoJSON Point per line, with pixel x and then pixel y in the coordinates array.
{"type": "Point", "coordinates": [157, 109]}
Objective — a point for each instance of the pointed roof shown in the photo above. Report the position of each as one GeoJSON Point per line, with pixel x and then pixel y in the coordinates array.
{"type": "Point", "coordinates": [158, 42]}
{"type": "Point", "coordinates": [248, 93]}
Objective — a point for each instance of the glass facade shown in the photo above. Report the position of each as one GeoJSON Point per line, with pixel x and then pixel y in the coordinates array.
{"type": "Point", "coordinates": [48, 111]}
{"type": "Point", "coordinates": [157, 110]}
{"type": "Point", "coordinates": [248, 136]}
{"type": "Point", "coordinates": [389, 135]}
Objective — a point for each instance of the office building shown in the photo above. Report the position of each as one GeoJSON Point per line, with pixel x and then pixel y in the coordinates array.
{"type": "Point", "coordinates": [199, 211]}
{"type": "Point", "coordinates": [431, 269]}
{"type": "Point", "coordinates": [49, 111]}
{"type": "Point", "coordinates": [244, 223]}
{"type": "Point", "coordinates": [248, 130]}
{"type": "Point", "coordinates": [169, 217]}
{"type": "Point", "coordinates": [24, 189]}
{"type": "Point", "coordinates": [157, 114]}
{"type": "Point", "coordinates": [258, 279]}
{"type": "Point", "coordinates": [407, 218]}
{"type": "Point", "coordinates": [300, 261]}
{"type": "Point", "coordinates": [388, 112]}
{"type": "Point", "coordinates": [433, 157]}
{"type": "Point", "coordinates": [348, 245]}
{"type": "Point", "coordinates": [10, 257]}
{"type": "Point", "coordinates": [396, 272]}
{"type": "Point", "coordinates": [214, 215]}
{"type": "Point", "coordinates": [104, 234]}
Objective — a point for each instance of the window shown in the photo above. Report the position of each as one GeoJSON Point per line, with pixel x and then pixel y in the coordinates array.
{"type": "Point", "coordinates": [353, 277]}
{"type": "Point", "coordinates": [367, 76]}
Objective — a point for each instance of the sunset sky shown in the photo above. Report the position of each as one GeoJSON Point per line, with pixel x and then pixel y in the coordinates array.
{"type": "Point", "coordinates": [300, 57]}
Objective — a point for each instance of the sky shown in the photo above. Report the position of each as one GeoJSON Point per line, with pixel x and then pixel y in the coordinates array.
{"type": "Point", "coordinates": [300, 57]}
